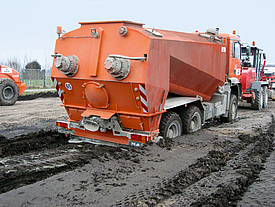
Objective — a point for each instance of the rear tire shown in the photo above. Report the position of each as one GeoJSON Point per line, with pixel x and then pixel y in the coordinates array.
{"type": "Point", "coordinates": [9, 92]}
{"type": "Point", "coordinates": [265, 97]}
{"type": "Point", "coordinates": [258, 102]}
{"type": "Point", "coordinates": [170, 125]}
{"type": "Point", "coordinates": [233, 109]}
{"type": "Point", "coordinates": [191, 119]}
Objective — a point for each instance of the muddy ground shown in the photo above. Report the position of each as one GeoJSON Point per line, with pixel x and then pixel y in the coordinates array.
{"type": "Point", "coordinates": [230, 164]}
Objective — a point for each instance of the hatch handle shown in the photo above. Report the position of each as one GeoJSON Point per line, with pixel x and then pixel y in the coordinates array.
{"type": "Point", "coordinates": [128, 58]}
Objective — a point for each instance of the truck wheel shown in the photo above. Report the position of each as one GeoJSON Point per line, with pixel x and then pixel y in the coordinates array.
{"type": "Point", "coordinates": [8, 92]}
{"type": "Point", "coordinates": [191, 119]}
{"type": "Point", "coordinates": [170, 125]}
{"type": "Point", "coordinates": [233, 109]}
{"type": "Point", "coordinates": [258, 102]}
{"type": "Point", "coordinates": [265, 97]}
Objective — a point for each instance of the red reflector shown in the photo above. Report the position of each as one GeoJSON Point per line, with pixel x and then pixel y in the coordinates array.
{"type": "Point", "coordinates": [134, 137]}
{"type": "Point", "coordinates": [62, 124]}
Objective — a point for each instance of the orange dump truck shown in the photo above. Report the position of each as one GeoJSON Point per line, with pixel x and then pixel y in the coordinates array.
{"type": "Point", "coordinates": [125, 84]}
{"type": "Point", "coordinates": [10, 86]}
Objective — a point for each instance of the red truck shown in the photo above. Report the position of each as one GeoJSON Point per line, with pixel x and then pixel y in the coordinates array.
{"type": "Point", "coordinates": [254, 83]}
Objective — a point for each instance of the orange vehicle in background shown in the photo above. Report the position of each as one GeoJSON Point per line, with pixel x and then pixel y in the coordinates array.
{"type": "Point", "coordinates": [125, 84]}
{"type": "Point", "coordinates": [10, 86]}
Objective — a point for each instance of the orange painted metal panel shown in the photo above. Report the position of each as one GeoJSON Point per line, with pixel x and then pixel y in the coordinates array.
{"type": "Point", "coordinates": [100, 113]}
{"type": "Point", "coordinates": [195, 65]}
{"type": "Point", "coordinates": [74, 113]}
{"type": "Point", "coordinates": [95, 52]}
{"type": "Point", "coordinates": [104, 136]}
{"type": "Point", "coordinates": [131, 122]}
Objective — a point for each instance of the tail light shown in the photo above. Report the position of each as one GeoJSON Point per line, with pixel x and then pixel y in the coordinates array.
{"type": "Point", "coordinates": [62, 124]}
{"type": "Point", "coordinates": [139, 138]}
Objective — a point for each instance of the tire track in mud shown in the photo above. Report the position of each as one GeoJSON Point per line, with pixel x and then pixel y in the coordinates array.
{"type": "Point", "coordinates": [218, 179]}
{"type": "Point", "coordinates": [29, 158]}
{"type": "Point", "coordinates": [31, 142]}
{"type": "Point", "coordinates": [18, 154]}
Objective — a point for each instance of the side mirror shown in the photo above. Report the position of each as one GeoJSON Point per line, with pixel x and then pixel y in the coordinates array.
{"type": "Point", "coordinates": [247, 51]}
{"type": "Point", "coordinates": [264, 55]}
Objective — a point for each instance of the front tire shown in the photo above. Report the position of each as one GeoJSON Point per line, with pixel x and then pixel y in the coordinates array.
{"type": "Point", "coordinates": [257, 104]}
{"type": "Point", "coordinates": [170, 125]}
{"type": "Point", "coordinates": [233, 109]}
{"type": "Point", "coordinates": [9, 92]}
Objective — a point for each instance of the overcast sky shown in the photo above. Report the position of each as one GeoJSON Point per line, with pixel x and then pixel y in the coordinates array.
{"type": "Point", "coordinates": [28, 27]}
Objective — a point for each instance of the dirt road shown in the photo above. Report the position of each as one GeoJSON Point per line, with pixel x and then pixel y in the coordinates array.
{"type": "Point", "coordinates": [30, 116]}
{"type": "Point", "coordinates": [217, 166]}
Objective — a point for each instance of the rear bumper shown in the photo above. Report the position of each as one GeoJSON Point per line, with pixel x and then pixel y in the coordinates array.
{"type": "Point", "coordinates": [114, 136]}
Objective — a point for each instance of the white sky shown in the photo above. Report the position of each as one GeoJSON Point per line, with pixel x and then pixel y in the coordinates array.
{"type": "Point", "coordinates": [28, 27]}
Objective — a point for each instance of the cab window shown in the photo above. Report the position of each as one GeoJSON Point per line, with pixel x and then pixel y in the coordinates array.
{"type": "Point", "coordinates": [236, 50]}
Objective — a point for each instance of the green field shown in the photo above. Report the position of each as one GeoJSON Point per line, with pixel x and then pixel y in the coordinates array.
{"type": "Point", "coordinates": [38, 83]}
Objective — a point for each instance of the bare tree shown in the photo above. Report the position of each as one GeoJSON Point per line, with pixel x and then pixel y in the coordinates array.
{"type": "Point", "coordinates": [13, 62]}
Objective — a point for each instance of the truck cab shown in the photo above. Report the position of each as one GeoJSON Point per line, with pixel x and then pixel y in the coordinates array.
{"type": "Point", "coordinates": [234, 66]}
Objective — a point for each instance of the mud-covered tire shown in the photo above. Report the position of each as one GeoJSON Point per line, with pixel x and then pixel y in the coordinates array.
{"type": "Point", "coordinates": [257, 104]}
{"type": "Point", "coordinates": [170, 125]}
{"type": "Point", "coordinates": [9, 92]}
{"type": "Point", "coordinates": [191, 119]}
{"type": "Point", "coordinates": [265, 97]}
{"type": "Point", "coordinates": [233, 109]}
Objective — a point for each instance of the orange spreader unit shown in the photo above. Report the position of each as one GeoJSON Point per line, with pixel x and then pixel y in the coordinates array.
{"type": "Point", "coordinates": [114, 77]}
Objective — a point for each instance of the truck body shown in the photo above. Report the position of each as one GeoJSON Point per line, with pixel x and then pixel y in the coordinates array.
{"type": "Point", "coordinates": [254, 83]}
{"type": "Point", "coordinates": [10, 86]}
{"type": "Point", "coordinates": [125, 84]}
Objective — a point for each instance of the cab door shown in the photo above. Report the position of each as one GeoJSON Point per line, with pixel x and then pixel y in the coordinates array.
{"type": "Point", "coordinates": [235, 69]}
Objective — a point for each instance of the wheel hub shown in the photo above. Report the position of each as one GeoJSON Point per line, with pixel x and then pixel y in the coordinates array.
{"type": "Point", "coordinates": [195, 122]}
{"type": "Point", "coordinates": [173, 131]}
{"type": "Point", "coordinates": [8, 93]}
